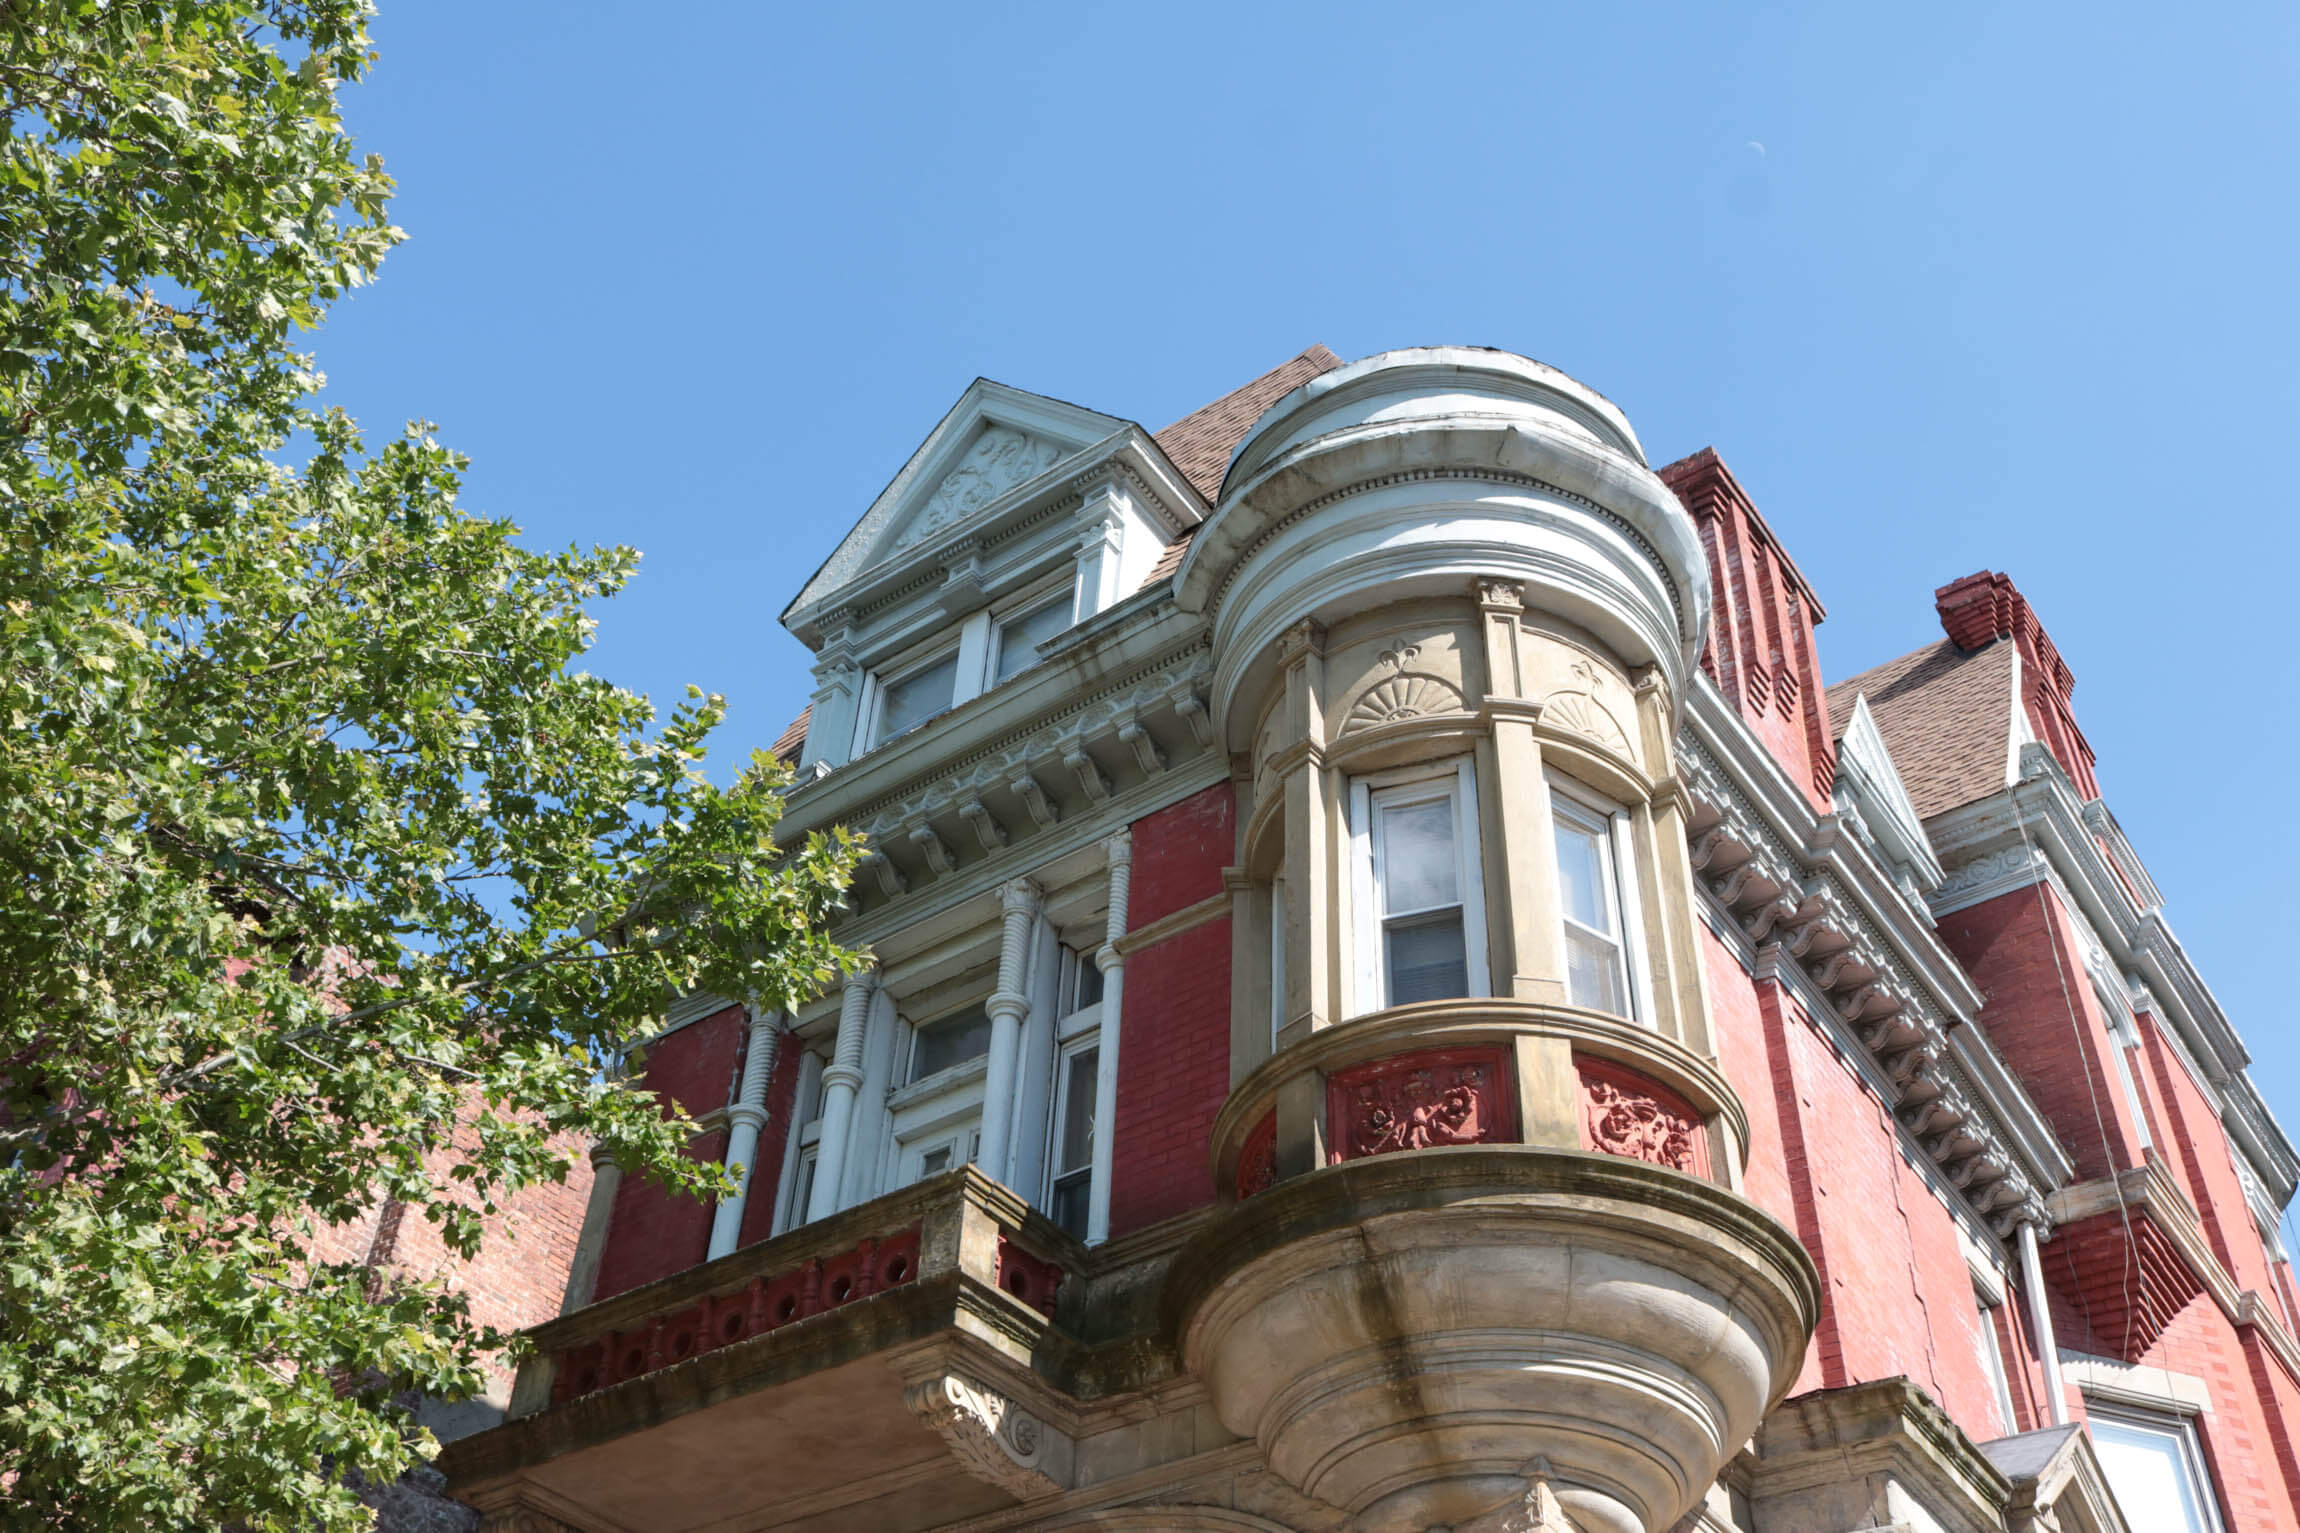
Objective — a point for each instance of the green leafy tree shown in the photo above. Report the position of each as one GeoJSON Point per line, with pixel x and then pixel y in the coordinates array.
{"type": "Point", "coordinates": [315, 846]}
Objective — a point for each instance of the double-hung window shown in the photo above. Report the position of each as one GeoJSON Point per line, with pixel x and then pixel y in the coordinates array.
{"type": "Point", "coordinates": [1421, 928]}
{"type": "Point", "coordinates": [1078, 1058]}
{"type": "Point", "coordinates": [1596, 899]}
{"type": "Point", "coordinates": [909, 699]}
{"type": "Point", "coordinates": [2154, 1465]}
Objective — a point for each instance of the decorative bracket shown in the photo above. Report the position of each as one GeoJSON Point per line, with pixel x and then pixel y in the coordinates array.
{"type": "Point", "coordinates": [1033, 795]}
{"type": "Point", "coordinates": [987, 830]}
{"type": "Point", "coordinates": [1146, 753]}
{"type": "Point", "coordinates": [890, 879]}
{"type": "Point", "coordinates": [994, 1439]}
{"type": "Point", "coordinates": [938, 855]}
{"type": "Point", "coordinates": [1089, 775]}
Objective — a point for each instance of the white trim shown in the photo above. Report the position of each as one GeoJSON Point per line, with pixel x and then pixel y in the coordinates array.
{"type": "Point", "coordinates": [806, 1127]}
{"type": "Point", "coordinates": [878, 681]}
{"type": "Point", "coordinates": [2138, 1385]}
{"type": "Point", "coordinates": [1619, 876]}
{"type": "Point", "coordinates": [1058, 1108]}
{"type": "Point", "coordinates": [1455, 782]}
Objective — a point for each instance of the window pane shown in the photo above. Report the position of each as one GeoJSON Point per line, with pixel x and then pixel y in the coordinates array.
{"type": "Point", "coordinates": [918, 697]}
{"type": "Point", "coordinates": [952, 1041]}
{"type": "Point", "coordinates": [1019, 637]}
{"type": "Point", "coordinates": [1428, 961]}
{"type": "Point", "coordinates": [1076, 1146]}
{"type": "Point", "coordinates": [1089, 983]}
{"type": "Point", "coordinates": [1593, 972]}
{"type": "Point", "coordinates": [1418, 867]}
{"type": "Point", "coordinates": [2148, 1469]}
{"type": "Point", "coordinates": [804, 1192]}
{"type": "Point", "coordinates": [1071, 1195]}
{"type": "Point", "coordinates": [934, 1162]}
{"type": "Point", "coordinates": [1581, 874]}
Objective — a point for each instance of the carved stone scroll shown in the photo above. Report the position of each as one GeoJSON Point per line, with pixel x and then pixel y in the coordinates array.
{"type": "Point", "coordinates": [993, 1439]}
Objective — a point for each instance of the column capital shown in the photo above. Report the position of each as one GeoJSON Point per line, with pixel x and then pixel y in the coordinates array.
{"type": "Point", "coordinates": [1019, 895]}
{"type": "Point", "coordinates": [1492, 592]}
{"type": "Point", "coordinates": [1118, 849]}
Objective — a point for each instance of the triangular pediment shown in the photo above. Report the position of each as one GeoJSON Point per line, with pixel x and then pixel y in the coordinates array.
{"type": "Point", "coordinates": [994, 441]}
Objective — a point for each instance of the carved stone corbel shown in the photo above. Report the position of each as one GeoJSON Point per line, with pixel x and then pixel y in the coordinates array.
{"type": "Point", "coordinates": [890, 879]}
{"type": "Point", "coordinates": [1090, 776]}
{"type": "Point", "coordinates": [1192, 708]}
{"type": "Point", "coordinates": [1033, 795]}
{"type": "Point", "coordinates": [937, 854]}
{"type": "Point", "coordinates": [993, 1439]}
{"type": "Point", "coordinates": [1146, 753]}
{"type": "Point", "coordinates": [987, 830]}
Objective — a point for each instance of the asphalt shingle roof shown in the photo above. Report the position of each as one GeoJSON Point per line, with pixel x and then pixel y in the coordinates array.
{"type": "Point", "coordinates": [1946, 715]}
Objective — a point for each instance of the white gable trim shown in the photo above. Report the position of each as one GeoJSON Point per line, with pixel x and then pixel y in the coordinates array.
{"type": "Point", "coordinates": [1066, 428]}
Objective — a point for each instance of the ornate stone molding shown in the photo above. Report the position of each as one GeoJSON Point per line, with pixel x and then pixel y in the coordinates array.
{"type": "Point", "coordinates": [1536, 1511]}
{"type": "Point", "coordinates": [993, 1439]}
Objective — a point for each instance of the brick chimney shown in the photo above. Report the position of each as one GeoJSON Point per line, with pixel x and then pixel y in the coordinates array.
{"type": "Point", "coordinates": [1981, 609]}
{"type": "Point", "coordinates": [1760, 647]}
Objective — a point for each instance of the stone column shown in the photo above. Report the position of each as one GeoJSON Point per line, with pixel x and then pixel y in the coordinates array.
{"type": "Point", "coordinates": [839, 1083]}
{"type": "Point", "coordinates": [1009, 1004]}
{"type": "Point", "coordinates": [745, 1119]}
{"type": "Point", "coordinates": [1119, 850]}
{"type": "Point", "coordinates": [591, 1245]}
{"type": "Point", "coordinates": [1520, 872]}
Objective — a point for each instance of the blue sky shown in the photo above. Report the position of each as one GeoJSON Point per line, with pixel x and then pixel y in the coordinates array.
{"type": "Point", "coordinates": [1956, 288]}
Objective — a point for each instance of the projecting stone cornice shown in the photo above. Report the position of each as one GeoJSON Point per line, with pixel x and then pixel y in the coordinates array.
{"type": "Point", "coordinates": [1794, 884]}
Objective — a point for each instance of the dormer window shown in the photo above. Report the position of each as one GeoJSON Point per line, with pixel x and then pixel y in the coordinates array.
{"type": "Point", "coordinates": [909, 700]}
{"type": "Point", "coordinates": [1018, 637]}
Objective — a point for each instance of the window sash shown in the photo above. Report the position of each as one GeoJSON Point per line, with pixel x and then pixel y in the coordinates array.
{"type": "Point", "coordinates": [1015, 649]}
{"type": "Point", "coordinates": [895, 691]}
{"type": "Point", "coordinates": [1070, 1134]}
{"type": "Point", "coordinates": [1371, 799]}
{"type": "Point", "coordinates": [2156, 1470]}
{"type": "Point", "coordinates": [1617, 985]}
{"type": "Point", "coordinates": [960, 1035]}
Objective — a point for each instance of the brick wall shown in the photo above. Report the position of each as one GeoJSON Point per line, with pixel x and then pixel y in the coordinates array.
{"type": "Point", "coordinates": [1826, 1159]}
{"type": "Point", "coordinates": [653, 1233]}
{"type": "Point", "coordinates": [1174, 1053]}
{"type": "Point", "coordinates": [2044, 1019]}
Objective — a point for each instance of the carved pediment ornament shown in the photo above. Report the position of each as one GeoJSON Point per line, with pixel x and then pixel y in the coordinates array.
{"type": "Point", "coordinates": [1000, 459]}
{"type": "Point", "coordinates": [994, 1439]}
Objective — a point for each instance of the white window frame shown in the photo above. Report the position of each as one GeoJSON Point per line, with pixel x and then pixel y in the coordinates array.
{"type": "Point", "coordinates": [931, 1112]}
{"type": "Point", "coordinates": [1621, 887]}
{"type": "Point", "coordinates": [1064, 596]}
{"type": "Point", "coordinates": [1456, 781]}
{"type": "Point", "coordinates": [799, 1146]}
{"type": "Point", "coordinates": [1067, 1049]}
{"type": "Point", "coordinates": [2180, 1428]}
{"type": "Point", "coordinates": [886, 678]}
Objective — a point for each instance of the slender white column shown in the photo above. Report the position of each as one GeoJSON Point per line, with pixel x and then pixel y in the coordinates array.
{"type": "Point", "coordinates": [591, 1244]}
{"type": "Point", "coordinates": [839, 1083]}
{"type": "Point", "coordinates": [745, 1119]}
{"type": "Point", "coordinates": [1009, 1004]}
{"type": "Point", "coordinates": [1119, 850]}
{"type": "Point", "coordinates": [2040, 1321]}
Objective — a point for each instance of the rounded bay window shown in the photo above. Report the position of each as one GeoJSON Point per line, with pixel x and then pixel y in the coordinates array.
{"type": "Point", "coordinates": [1454, 615]}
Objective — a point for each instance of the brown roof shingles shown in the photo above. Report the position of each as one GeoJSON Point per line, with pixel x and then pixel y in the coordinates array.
{"type": "Point", "coordinates": [1201, 442]}
{"type": "Point", "coordinates": [1946, 716]}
